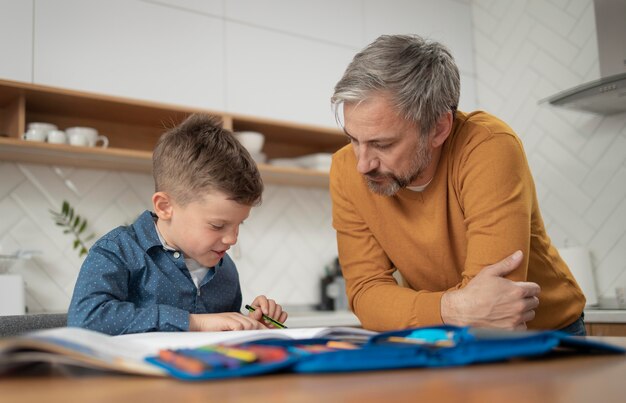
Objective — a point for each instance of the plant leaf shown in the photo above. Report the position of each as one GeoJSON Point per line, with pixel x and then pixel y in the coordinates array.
{"type": "Point", "coordinates": [66, 207]}
{"type": "Point", "coordinates": [76, 221]}
{"type": "Point", "coordinates": [76, 243]}
{"type": "Point", "coordinates": [82, 227]}
{"type": "Point", "coordinates": [66, 231]}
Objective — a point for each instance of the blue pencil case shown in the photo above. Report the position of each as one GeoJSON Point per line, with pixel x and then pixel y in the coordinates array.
{"type": "Point", "coordinates": [437, 346]}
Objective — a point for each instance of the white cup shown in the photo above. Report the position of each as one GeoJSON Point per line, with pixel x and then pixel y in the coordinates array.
{"type": "Point", "coordinates": [47, 127]}
{"type": "Point", "coordinates": [252, 141]}
{"type": "Point", "coordinates": [57, 137]}
{"type": "Point", "coordinates": [86, 137]}
{"type": "Point", "coordinates": [35, 134]}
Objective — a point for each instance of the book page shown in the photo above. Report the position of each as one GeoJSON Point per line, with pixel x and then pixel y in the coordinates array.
{"type": "Point", "coordinates": [80, 346]}
{"type": "Point", "coordinates": [172, 340]}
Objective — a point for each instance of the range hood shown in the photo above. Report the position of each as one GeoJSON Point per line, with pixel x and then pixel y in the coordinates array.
{"type": "Point", "coordinates": [607, 95]}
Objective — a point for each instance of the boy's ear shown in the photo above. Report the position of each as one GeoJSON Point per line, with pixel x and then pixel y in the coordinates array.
{"type": "Point", "coordinates": [442, 130]}
{"type": "Point", "coordinates": [163, 207]}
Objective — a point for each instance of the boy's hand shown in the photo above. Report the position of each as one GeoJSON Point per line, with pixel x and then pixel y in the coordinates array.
{"type": "Point", "coordinates": [268, 307]}
{"type": "Point", "coordinates": [216, 322]}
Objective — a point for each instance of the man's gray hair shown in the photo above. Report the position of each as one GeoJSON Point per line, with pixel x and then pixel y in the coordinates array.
{"type": "Point", "coordinates": [420, 77]}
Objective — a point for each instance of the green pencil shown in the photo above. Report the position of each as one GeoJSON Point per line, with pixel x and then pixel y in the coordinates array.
{"type": "Point", "coordinates": [267, 318]}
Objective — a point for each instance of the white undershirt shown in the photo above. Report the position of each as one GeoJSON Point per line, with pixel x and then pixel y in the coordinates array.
{"type": "Point", "coordinates": [196, 270]}
{"type": "Point", "coordinates": [419, 188]}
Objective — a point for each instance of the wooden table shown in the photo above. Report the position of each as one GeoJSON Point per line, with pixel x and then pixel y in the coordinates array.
{"type": "Point", "coordinates": [562, 379]}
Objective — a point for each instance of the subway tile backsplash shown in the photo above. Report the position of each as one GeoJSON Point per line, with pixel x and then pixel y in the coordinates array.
{"type": "Point", "coordinates": [282, 249]}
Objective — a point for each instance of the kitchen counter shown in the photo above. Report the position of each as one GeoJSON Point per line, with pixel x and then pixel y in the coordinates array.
{"type": "Point", "coordinates": [607, 310]}
{"type": "Point", "coordinates": [346, 318]}
{"type": "Point", "coordinates": [596, 315]}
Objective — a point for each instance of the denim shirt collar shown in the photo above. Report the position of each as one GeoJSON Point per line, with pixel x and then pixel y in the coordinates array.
{"type": "Point", "coordinates": [146, 232]}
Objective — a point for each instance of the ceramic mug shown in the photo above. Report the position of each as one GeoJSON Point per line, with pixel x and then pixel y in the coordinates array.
{"type": "Point", "coordinates": [86, 137]}
{"type": "Point", "coordinates": [35, 134]}
{"type": "Point", "coordinates": [252, 141]}
{"type": "Point", "coordinates": [47, 127]}
{"type": "Point", "coordinates": [57, 137]}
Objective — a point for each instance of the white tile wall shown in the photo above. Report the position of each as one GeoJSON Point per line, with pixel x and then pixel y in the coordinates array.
{"type": "Point", "coordinates": [281, 252]}
{"type": "Point", "coordinates": [525, 51]}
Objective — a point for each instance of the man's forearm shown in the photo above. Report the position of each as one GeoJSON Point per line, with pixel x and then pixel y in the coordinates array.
{"type": "Point", "coordinates": [490, 300]}
{"type": "Point", "coordinates": [451, 304]}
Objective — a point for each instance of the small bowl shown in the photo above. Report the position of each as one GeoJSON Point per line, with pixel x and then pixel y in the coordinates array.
{"type": "Point", "coordinates": [252, 141]}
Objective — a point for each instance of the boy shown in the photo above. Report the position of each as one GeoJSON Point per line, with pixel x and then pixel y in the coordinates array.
{"type": "Point", "coordinates": [169, 270]}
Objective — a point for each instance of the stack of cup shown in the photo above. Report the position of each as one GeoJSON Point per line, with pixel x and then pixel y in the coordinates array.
{"type": "Point", "coordinates": [86, 137]}
{"type": "Point", "coordinates": [41, 131]}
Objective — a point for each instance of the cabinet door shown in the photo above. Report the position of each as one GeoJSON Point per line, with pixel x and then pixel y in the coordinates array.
{"type": "Point", "coordinates": [132, 49]}
{"type": "Point", "coordinates": [282, 76]}
{"type": "Point", "coordinates": [446, 21]}
{"type": "Point", "coordinates": [608, 329]}
{"type": "Point", "coordinates": [16, 39]}
{"type": "Point", "coordinates": [331, 21]}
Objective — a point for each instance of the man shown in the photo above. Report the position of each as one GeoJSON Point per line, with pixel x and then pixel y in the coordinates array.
{"type": "Point", "coordinates": [438, 195]}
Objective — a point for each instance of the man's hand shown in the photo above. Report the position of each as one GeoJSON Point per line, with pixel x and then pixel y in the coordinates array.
{"type": "Point", "coordinates": [215, 322]}
{"type": "Point", "coordinates": [490, 300]}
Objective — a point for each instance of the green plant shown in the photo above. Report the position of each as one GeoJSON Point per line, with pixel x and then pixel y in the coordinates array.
{"type": "Point", "coordinates": [74, 224]}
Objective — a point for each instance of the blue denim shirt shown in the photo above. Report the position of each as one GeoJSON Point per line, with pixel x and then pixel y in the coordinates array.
{"type": "Point", "coordinates": [129, 283]}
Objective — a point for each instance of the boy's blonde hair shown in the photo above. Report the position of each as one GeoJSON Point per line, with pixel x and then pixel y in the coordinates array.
{"type": "Point", "coordinates": [199, 156]}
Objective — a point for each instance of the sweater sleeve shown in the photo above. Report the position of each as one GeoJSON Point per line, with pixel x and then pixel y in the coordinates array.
{"type": "Point", "coordinates": [496, 191]}
{"type": "Point", "coordinates": [373, 294]}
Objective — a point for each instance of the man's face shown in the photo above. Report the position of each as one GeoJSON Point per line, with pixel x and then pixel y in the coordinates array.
{"type": "Point", "coordinates": [391, 152]}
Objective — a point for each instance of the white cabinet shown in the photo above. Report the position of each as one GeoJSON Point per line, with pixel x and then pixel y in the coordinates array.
{"type": "Point", "coordinates": [16, 39]}
{"type": "Point", "coordinates": [130, 48]}
{"type": "Point", "coordinates": [282, 76]}
{"type": "Point", "coordinates": [208, 7]}
{"type": "Point", "coordinates": [445, 21]}
{"type": "Point", "coordinates": [335, 22]}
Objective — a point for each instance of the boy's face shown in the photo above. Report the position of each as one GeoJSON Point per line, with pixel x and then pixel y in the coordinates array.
{"type": "Point", "coordinates": [204, 229]}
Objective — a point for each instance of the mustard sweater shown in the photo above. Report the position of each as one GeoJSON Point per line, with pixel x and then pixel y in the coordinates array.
{"type": "Point", "coordinates": [480, 207]}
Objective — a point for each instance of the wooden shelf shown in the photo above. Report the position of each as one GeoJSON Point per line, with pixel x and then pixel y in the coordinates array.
{"type": "Point", "coordinates": [32, 152]}
{"type": "Point", "coordinates": [134, 126]}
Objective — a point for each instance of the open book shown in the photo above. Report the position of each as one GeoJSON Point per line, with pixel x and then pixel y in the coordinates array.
{"type": "Point", "coordinates": [127, 353]}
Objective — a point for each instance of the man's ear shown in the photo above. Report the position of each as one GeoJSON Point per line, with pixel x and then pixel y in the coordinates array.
{"type": "Point", "coordinates": [442, 130]}
{"type": "Point", "coordinates": [163, 207]}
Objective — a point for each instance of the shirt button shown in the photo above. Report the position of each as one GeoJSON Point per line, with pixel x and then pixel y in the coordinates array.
{"type": "Point", "coordinates": [176, 255]}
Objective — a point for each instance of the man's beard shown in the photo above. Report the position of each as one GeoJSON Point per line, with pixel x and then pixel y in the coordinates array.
{"type": "Point", "coordinates": [391, 183]}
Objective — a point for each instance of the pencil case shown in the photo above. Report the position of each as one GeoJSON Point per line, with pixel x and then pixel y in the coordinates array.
{"type": "Point", "coordinates": [438, 346]}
